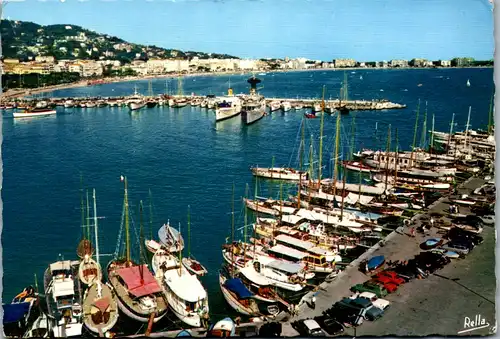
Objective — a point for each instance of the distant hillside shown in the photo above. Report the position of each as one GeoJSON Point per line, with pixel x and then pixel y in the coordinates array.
{"type": "Point", "coordinates": [24, 40]}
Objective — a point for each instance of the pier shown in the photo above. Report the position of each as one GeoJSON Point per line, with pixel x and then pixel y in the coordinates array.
{"type": "Point", "coordinates": [413, 299]}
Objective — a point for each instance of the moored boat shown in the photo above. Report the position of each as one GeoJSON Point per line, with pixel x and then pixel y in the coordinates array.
{"type": "Point", "coordinates": [36, 112]}
{"type": "Point", "coordinates": [238, 296]}
{"type": "Point", "coordinates": [171, 238]}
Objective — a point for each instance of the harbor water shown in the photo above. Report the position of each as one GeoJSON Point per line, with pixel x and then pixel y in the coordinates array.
{"type": "Point", "coordinates": [184, 158]}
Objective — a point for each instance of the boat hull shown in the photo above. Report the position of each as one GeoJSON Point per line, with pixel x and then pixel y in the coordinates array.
{"type": "Point", "coordinates": [232, 301]}
{"type": "Point", "coordinates": [254, 116]}
{"type": "Point", "coordinates": [33, 114]}
{"type": "Point", "coordinates": [224, 114]}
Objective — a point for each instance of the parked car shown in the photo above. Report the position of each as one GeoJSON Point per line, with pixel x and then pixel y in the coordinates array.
{"type": "Point", "coordinates": [379, 290]}
{"type": "Point", "coordinates": [456, 246]}
{"type": "Point", "coordinates": [329, 325]}
{"type": "Point", "coordinates": [377, 302]}
{"type": "Point", "coordinates": [488, 219]}
{"type": "Point", "coordinates": [389, 286]}
{"type": "Point", "coordinates": [347, 316]}
{"type": "Point", "coordinates": [390, 277]}
{"type": "Point", "coordinates": [366, 308]}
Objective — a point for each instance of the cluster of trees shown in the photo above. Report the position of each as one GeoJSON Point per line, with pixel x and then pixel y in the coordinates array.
{"type": "Point", "coordinates": [34, 80]}
{"type": "Point", "coordinates": [108, 72]}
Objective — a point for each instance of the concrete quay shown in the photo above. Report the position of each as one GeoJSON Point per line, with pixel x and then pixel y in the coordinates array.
{"type": "Point", "coordinates": [353, 105]}
{"type": "Point", "coordinates": [433, 306]}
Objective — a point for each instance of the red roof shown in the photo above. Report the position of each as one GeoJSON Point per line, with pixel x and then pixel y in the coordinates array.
{"type": "Point", "coordinates": [132, 277]}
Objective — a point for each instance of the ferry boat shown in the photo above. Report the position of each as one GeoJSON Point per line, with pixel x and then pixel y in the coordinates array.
{"type": "Point", "coordinates": [185, 295]}
{"type": "Point", "coordinates": [35, 112]}
{"type": "Point", "coordinates": [280, 173]}
{"type": "Point", "coordinates": [227, 107]}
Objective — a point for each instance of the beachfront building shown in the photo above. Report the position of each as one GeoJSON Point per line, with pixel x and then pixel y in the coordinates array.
{"type": "Point", "coordinates": [341, 63]}
{"type": "Point", "coordinates": [399, 63]}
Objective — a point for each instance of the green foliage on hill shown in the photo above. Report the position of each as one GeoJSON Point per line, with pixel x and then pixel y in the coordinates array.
{"type": "Point", "coordinates": [24, 40]}
{"type": "Point", "coordinates": [37, 80]}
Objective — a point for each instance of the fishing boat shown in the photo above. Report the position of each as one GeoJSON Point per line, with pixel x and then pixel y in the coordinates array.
{"type": "Point", "coordinates": [286, 106]}
{"type": "Point", "coordinates": [138, 294]}
{"type": "Point", "coordinates": [274, 106]}
{"type": "Point", "coordinates": [189, 262]}
{"type": "Point", "coordinates": [69, 103]}
{"type": "Point", "coordinates": [137, 104]}
{"type": "Point", "coordinates": [238, 296]}
{"type": "Point", "coordinates": [280, 173]}
{"type": "Point", "coordinates": [100, 308]}
{"type": "Point", "coordinates": [227, 107]}
{"type": "Point", "coordinates": [276, 272]}
{"type": "Point", "coordinates": [171, 238]}
{"type": "Point", "coordinates": [185, 295]}
{"type": "Point", "coordinates": [35, 112]}
{"type": "Point", "coordinates": [310, 115]}
{"type": "Point", "coordinates": [222, 329]}
{"type": "Point", "coordinates": [63, 298]}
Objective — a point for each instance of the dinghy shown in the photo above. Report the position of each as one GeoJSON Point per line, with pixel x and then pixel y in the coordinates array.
{"type": "Point", "coordinates": [375, 263]}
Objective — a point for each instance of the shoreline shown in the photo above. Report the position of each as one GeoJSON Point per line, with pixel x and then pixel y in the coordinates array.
{"type": "Point", "coordinates": [16, 94]}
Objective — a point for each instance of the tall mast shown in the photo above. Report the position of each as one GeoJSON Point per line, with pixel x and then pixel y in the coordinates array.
{"type": "Point", "coordinates": [353, 130]}
{"type": "Point", "coordinates": [302, 144]}
{"type": "Point", "coordinates": [431, 144]}
{"type": "Point", "coordinates": [95, 230]}
{"type": "Point", "coordinates": [141, 233]}
{"type": "Point", "coordinates": [451, 131]}
{"type": "Point", "coordinates": [81, 207]}
{"type": "Point", "coordinates": [88, 216]}
{"type": "Point", "coordinates": [343, 189]}
{"type": "Point", "coordinates": [311, 166]}
{"type": "Point", "coordinates": [179, 86]}
{"type": "Point", "coordinates": [189, 231]}
{"type": "Point", "coordinates": [396, 158]}
{"type": "Point", "coordinates": [387, 156]}
{"type": "Point", "coordinates": [415, 134]}
{"type": "Point", "coordinates": [232, 232]}
{"type": "Point", "coordinates": [423, 137]}
{"type": "Point", "coordinates": [321, 137]}
{"type": "Point", "coordinates": [490, 115]}
{"type": "Point", "coordinates": [127, 232]}
{"type": "Point", "coordinates": [150, 215]}
{"type": "Point", "coordinates": [180, 251]}
{"type": "Point", "coordinates": [281, 202]}
{"type": "Point", "coordinates": [335, 159]}
{"type": "Point", "coordinates": [245, 235]}
{"type": "Point", "coordinates": [467, 129]}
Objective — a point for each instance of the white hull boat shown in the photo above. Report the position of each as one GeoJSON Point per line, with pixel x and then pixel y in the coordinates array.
{"type": "Point", "coordinates": [34, 113]}
{"type": "Point", "coordinates": [280, 173]}
{"type": "Point", "coordinates": [171, 238]}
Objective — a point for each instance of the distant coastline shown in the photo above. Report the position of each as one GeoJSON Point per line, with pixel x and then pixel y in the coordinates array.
{"type": "Point", "coordinates": [83, 83]}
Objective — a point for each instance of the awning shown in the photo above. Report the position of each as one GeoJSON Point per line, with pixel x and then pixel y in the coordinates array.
{"type": "Point", "coordinates": [235, 285]}
{"type": "Point", "coordinates": [14, 312]}
{"type": "Point", "coordinates": [139, 284]}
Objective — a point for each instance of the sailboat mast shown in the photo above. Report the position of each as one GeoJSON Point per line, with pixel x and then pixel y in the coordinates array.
{"type": "Point", "coordinates": [415, 134]}
{"type": "Point", "coordinates": [189, 231]}
{"type": "Point", "coordinates": [311, 166]}
{"type": "Point", "coordinates": [88, 216]}
{"type": "Point", "coordinates": [256, 215]}
{"type": "Point", "coordinates": [431, 144]}
{"type": "Point", "coordinates": [343, 189]}
{"type": "Point", "coordinates": [353, 130]}
{"type": "Point", "coordinates": [423, 137]}
{"type": "Point", "coordinates": [281, 201]}
{"type": "Point", "coordinates": [490, 115]}
{"type": "Point", "coordinates": [387, 157]}
{"type": "Point", "coordinates": [451, 131]}
{"type": "Point", "coordinates": [321, 137]}
{"type": "Point", "coordinates": [95, 230]}
{"type": "Point", "coordinates": [81, 207]}
{"type": "Point", "coordinates": [302, 144]}
{"type": "Point", "coordinates": [396, 158]}
{"type": "Point", "coordinates": [180, 250]}
{"type": "Point", "coordinates": [467, 129]}
{"type": "Point", "coordinates": [127, 232]}
{"type": "Point", "coordinates": [245, 235]}
{"type": "Point", "coordinates": [141, 233]}
{"type": "Point", "coordinates": [337, 138]}
{"type": "Point", "coordinates": [150, 215]}
{"type": "Point", "coordinates": [232, 232]}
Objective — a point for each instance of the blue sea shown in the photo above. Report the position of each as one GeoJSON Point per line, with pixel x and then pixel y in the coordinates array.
{"type": "Point", "coordinates": [184, 158]}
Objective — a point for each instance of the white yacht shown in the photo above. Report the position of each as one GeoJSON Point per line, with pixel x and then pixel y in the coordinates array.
{"type": "Point", "coordinates": [185, 294]}
{"type": "Point", "coordinates": [227, 107]}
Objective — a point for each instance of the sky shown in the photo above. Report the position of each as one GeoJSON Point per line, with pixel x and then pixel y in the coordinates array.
{"type": "Point", "coordinates": [365, 30]}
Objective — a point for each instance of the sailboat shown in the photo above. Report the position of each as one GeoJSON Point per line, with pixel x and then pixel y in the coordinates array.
{"type": "Point", "coordinates": [180, 101]}
{"type": "Point", "coordinates": [89, 271]}
{"type": "Point", "coordinates": [100, 308]}
{"type": "Point", "coordinates": [189, 262]}
{"type": "Point", "coordinates": [234, 291]}
{"type": "Point", "coordinates": [171, 238]}
{"type": "Point", "coordinates": [468, 83]}
{"type": "Point", "coordinates": [138, 292]}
